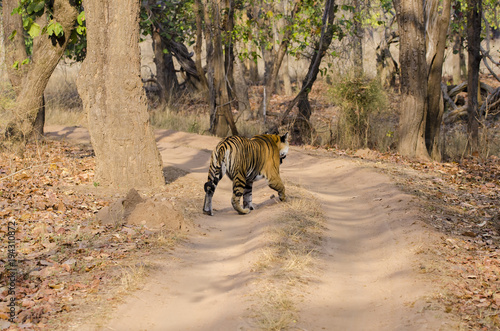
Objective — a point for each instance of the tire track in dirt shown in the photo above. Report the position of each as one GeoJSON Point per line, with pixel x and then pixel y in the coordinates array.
{"type": "Point", "coordinates": [367, 277]}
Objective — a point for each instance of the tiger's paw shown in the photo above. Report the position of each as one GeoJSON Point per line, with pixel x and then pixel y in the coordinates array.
{"type": "Point", "coordinates": [248, 205]}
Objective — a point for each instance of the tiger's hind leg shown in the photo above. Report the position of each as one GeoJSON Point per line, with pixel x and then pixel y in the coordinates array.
{"type": "Point", "coordinates": [209, 193]}
{"type": "Point", "coordinates": [239, 185]}
{"type": "Point", "coordinates": [210, 187]}
{"type": "Point", "coordinates": [247, 196]}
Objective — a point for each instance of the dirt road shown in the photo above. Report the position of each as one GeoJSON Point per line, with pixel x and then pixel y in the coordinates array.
{"type": "Point", "coordinates": [367, 273]}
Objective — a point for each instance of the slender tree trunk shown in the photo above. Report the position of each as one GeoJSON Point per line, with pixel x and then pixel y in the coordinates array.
{"type": "Point", "coordinates": [199, 42]}
{"type": "Point", "coordinates": [358, 39]}
{"type": "Point", "coordinates": [285, 70]}
{"type": "Point", "coordinates": [221, 117]}
{"type": "Point", "coordinates": [165, 71]}
{"type": "Point", "coordinates": [15, 49]}
{"type": "Point", "coordinates": [386, 65]}
{"type": "Point", "coordinates": [265, 34]}
{"type": "Point", "coordinates": [30, 82]}
{"type": "Point", "coordinates": [437, 22]}
{"type": "Point", "coordinates": [301, 128]}
{"type": "Point", "coordinates": [253, 68]}
{"type": "Point", "coordinates": [473, 40]}
{"type": "Point", "coordinates": [227, 41]}
{"type": "Point", "coordinates": [271, 81]}
{"type": "Point", "coordinates": [114, 99]}
{"type": "Point", "coordinates": [458, 59]}
{"type": "Point", "coordinates": [410, 15]}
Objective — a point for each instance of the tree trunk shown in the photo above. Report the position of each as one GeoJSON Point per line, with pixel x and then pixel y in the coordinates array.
{"type": "Point", "coordinates": [30, 82]}
{"type": "Point", "coordinates": [253, 68]}
{"type": "Point", "coordinates": [285, 70]}
{"type": "Point", "coordinates": [410, 16]}
{"type": "Point", "coordinates": [15, 49]}
{"type": "Point", "coordinates": [436, 26]}
{"type": "Point", "coordinates": [276, 64]}
{"type": "Point", "coordinates": [114, 99]}
{"type": "Point", "coordinates": [285, 76]}
{"type": "Point", "coordinates": [458, 60]}
{"type": "Point", "coordinates": [241, 90]}
{"type": "Point", "coordinates": [199, 42]}
{"type": "Point", "coordinates": [358, 39]}
{"type": "Point", "coordinates": [473, 40]}
{"type": "Point", "coordinates": [227, 41]}
{"type": "Point", "coordinates": [301, 127]}
{"type": "Point", "coordinates": [221, 117]}
{"type": "Point", "coordinates": [165, 71]}
{"type": "Point", "coordinates": [387, 67]}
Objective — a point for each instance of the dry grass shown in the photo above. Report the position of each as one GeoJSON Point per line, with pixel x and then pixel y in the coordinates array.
{"type": "Point", "coordinates": [287, 260]}
{"type": "Point", "coordinates": [199, 122]}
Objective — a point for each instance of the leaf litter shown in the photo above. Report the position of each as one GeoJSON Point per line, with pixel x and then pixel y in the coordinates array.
{"type": "Point", "coordinates": [66, 259]}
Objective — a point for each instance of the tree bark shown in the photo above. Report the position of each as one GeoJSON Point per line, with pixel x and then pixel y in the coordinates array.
{"type": "Point", "coordinates": [358, 39]}
{"type": "Point", "coordinates": [15, 49]}
{"type": "Point", "coordinates": [387, 67]}
{"type": "Point", "coordinates": [165, 71]}
{"type": "Point", "coordinates": [31, 80]}
{"type": "Point", "coordinates": [276, 64]}
{"type": "Point", "coordinates": [199, 42]}
{"type": "Point", "coordinates": [301, 127]}
{"type": "Point", "coordinates": [474, 60]}
{"type": "Point", "coordinates": [221, 117]}
{"type": "Point", "coordinates": [410, 16]}
{"type": "Point", "coordinates": [436, 27]}
{"type": "Point", "coordinates": [114, 99]}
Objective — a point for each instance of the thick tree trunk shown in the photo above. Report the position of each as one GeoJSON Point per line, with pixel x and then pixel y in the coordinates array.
{"type": "Point", "coordinates": [474, 59]}
{"type": "Point", "coordinates": [410, 15]}
{"type": "Point", "coordinates": [32, 79]}
{"type": "Point", "coordinates": [437, 22]}
{"type": "Point", "coordinates": [114, 99]}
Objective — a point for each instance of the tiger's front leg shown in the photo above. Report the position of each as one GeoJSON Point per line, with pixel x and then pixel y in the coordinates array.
{"type": "Point", "coordinates": [247, 195]}
{"type": "Point", "coordinates": [276, 184]}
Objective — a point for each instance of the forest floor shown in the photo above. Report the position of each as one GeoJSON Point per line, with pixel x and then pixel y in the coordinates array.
{"type": "Point", "coordinates": [365, 241]}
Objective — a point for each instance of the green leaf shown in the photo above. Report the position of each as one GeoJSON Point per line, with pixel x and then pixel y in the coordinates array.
{"type": "Point", "coordinates": [13, 35]}
{"type": "Point", "coordinates": [54, 28]}
{"type": "Point", "coordinates": [25, 61]}
{"type": "Point", "coordinates": [80, 30]}
{"type": "Point", "coordinates": [15, 65]}
{"type": "Point", "coordinates": [34, 30]}
{"type": "Point", "coordinates": [58, 29]}
{"type": "Point", "coordinates": [81, 18]}
{"type": "Point", "coordinates": [35, 7]}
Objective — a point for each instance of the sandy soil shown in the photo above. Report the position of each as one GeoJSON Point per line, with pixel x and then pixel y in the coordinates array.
{"type": "Point", "coordinates": [368, 271]}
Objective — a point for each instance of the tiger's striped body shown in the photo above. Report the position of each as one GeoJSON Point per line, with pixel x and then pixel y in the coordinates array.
{"type": "Point", "coordinates": [245, 161]}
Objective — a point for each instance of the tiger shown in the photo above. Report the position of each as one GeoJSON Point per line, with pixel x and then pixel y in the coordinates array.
{"type": "Point", "coordinates": [246, 161]}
